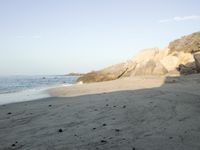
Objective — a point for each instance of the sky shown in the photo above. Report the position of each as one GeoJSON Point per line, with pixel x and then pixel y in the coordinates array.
{"type": "Point", "coordinates": [61, 36]}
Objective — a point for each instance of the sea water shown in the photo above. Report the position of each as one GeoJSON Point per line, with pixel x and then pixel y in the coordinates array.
{"type": "Point", "coordinates": [24, 88]}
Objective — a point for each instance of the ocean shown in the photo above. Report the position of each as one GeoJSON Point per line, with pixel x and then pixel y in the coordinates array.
{"type": "Point", "coordinates": [9, 84]}
{"type": "Point", "coordinates": [24, 88]}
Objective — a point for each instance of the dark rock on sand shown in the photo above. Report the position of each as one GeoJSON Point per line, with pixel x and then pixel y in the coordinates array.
{"type": "Point", "coordinates": [117, 130]}
{"type": "Point", "coordinates": [187, 69]}
{"type": "Point", "coordinates": [197, 61]}
{"type": "Point", "coordinates": [60, 130]}
{"type": "Point", "coordinates": [103, 141]}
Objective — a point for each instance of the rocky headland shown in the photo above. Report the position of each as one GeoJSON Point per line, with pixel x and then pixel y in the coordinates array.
{"type": "Point", "coordinates": [180, 57]}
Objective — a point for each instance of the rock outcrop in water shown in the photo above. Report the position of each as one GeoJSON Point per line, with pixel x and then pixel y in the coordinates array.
{"type": "Point", "coordinates": [182, 56]}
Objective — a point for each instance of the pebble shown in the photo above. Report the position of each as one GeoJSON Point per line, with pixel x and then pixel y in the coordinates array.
{"type": "Point", "coordinates": [104, 124]}
{"type": "Point", "coordinates": [117, 130]}
{"type": "Point", "coordinates": [60, 130]}
{"type": "Point", "coordinates": [103, 141]}
{"type": "Point", "coordinates": [9, 113]}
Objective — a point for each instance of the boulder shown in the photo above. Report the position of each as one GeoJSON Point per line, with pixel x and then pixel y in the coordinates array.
{"type": "Point", "coordinates": [110, 73]}
{"type": "Point", "coordinates": [197, 61]}
{"type": "Point", "coordinates": [170, 62]}
{"type": "Point", "coordinates": [159, 69]}
{"type": "Point", "coordinates": [150, 53]}
{"type": "Point", "coordinates": [187, 69]}
{"type": "Point", "coordinates": [150, 67]}
{"type": "Point", "coordinates": [145, 68]}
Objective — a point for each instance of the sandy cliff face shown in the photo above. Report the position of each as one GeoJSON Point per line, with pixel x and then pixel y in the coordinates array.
{"type": "Point", "coordinates": [178, 57]}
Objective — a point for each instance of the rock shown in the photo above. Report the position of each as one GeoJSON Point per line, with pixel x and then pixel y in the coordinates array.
{"type": "Point", "coordinates": [185, 58]}
{"type": "Point", "coordinates": [171, 80]}
{"type": "Point", "coordinates": [117, 130]}
{"type": "Point", "coordinates": [159, 69]}
{"type": "Point", "coordinates": [60, 130]}
{"type": "Point", "coordinates": [145, 68]}
{"type": "Point", "coordinates": [74, 74]}
{"type": "Point", "coordinates": [197, 61]}
{"type": "Point", "coordinates": [189, 44]}
{"type": "Point", "coordinates": [187, 69]}
{"type": "Point", "coordinates": [154, 61]}
{"type": "Point", "coordinates": [110, 73]}
{"type": "Point", "coordinates": [103, 141]}
{"type": "Point", "coordinates": [150, 67]}
{"type": "Point", "coordinates": [170, 62]}
{"type": "Point", "coordinates": [150, 53]}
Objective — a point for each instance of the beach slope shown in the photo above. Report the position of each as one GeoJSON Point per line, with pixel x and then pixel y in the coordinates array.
{"type": "Point", "coordinates": [142, 113]}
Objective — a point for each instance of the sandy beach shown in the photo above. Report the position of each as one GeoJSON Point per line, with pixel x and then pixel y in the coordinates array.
{"type": "Point", "coordinates": [141, 113]}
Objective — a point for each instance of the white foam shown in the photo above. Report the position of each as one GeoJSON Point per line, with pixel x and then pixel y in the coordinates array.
{"type": "Point", "coordinates": [26, 95]}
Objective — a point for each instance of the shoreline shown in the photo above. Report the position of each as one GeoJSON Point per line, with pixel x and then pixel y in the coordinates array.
{"type": "Point", "coordinates": [28, 94]}
{"type": "Point", "coordinates": [130, 83]}
{"type": "Point", "coordinates": [23, 96]}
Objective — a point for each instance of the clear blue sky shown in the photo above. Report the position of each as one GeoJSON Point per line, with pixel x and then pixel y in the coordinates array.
{"type": "Point", "coordinates": [61, 36]}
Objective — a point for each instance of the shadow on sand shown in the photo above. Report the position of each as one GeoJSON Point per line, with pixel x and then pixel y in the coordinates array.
{"type": "Point", "coordinates": [162, 118]}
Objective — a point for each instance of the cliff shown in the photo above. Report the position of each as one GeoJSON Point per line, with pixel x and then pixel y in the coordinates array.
{"type": "Point", "coordinates": [181, 56]}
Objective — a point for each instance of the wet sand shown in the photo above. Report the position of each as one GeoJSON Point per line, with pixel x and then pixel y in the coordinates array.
{"type": "Point", "coordinates": [142, 113]}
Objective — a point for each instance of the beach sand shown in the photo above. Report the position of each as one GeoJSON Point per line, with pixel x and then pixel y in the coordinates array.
{"type": "Point", "coordinates": [141, 113]}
